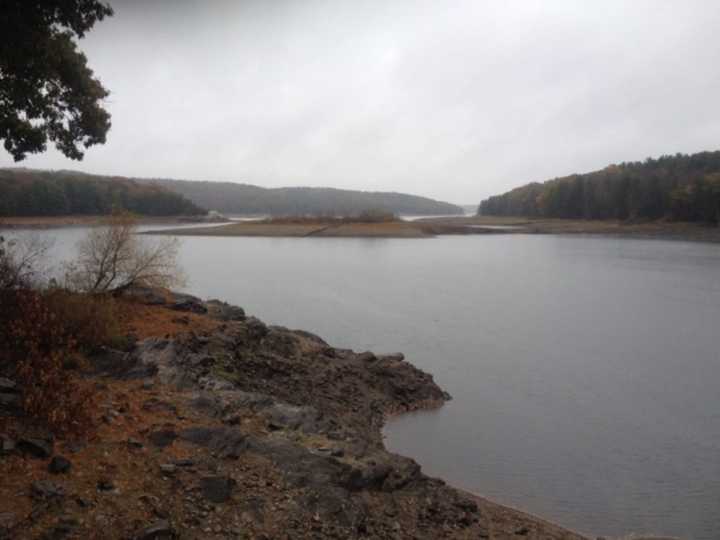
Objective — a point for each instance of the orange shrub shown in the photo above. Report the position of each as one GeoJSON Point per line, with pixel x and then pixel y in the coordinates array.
{"type": "Point", "coordinates": [35, 345]}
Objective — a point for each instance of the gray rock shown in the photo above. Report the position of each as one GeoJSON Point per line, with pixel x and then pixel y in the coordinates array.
{"type": "Point", "coordinates": [7, 445]}
{"type": "Point", "coordinates": [36, 447]}
{"type": "Point", "coordinates": [44, 489]}
{"type": "Point", "coordinates": [217, 489]}
{"type": "Point", "coordinates": [160, 530]}
{"type": "Point", "coordinates": [7, 386]}
{"type": "Point", "coordinates": [366, 356]}
{"type": "Point", "coordinates": [224, 312]}
{"type": "Point", "coordinates": [163, 437]}
{"type": "Point", "coordinates": [226, 443]}
{"type": "Point", "coordinates": [59, 465]}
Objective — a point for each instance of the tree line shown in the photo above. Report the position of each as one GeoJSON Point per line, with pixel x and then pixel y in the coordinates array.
{"type": "Point", "coordinates": [680, 187]}
{"type": "Point", "coordinates": [25, 192]}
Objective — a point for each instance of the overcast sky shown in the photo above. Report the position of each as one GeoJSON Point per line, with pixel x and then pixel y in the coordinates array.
{"type": "Point", "coordinates": [453, 99]}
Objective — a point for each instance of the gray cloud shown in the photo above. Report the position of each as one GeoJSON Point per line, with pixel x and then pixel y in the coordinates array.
{"type": "Point", "coordinates": [456, 99]}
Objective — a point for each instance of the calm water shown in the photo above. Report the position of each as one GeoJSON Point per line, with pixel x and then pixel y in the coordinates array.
{"type": "Point", "coordinates": [585, 371]}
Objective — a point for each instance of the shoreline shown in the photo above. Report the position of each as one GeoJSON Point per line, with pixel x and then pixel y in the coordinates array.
{"type": "Point", "coordinates": [429, 227]}
{"type": "Point", "coordinates": [289, 425]}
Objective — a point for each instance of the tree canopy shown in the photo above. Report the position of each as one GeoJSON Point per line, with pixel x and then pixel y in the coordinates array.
{"type": "Point", "coordinates": [680, 187]}
{"type": "Point", "coordinates": [47, 90]}
{"type": "Point", "coordinates": [25, 192]}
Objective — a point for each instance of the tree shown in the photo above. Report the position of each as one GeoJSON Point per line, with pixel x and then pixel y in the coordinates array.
{"type": "Point", "coordinates": [114, 257]}
{"type": "Point", "coordinates": [47, 91]}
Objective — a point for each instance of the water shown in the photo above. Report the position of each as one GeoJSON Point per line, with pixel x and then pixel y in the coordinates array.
{"type": "Point", "coordinates": [585, 371]}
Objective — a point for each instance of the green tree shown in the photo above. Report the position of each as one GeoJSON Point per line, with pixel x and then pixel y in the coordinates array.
{"type": "Point", "coordinates": [47, 91]}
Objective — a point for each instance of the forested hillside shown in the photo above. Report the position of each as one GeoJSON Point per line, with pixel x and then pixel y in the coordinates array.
{"type": "Point", "coordinates": [680, 187]}
{"type": "Point", "coordinates": [234, 198]}
{"type": "Point", "coordinates": [26, 192]}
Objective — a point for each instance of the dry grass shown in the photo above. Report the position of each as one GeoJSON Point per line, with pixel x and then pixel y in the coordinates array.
{"type": "Point", "coordinates": [143, 321]}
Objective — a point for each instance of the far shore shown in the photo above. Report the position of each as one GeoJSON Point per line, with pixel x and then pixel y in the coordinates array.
{"type": "Point", "coordinates": [660, 229]}
{"type": "Point", "coordinates": [50, 222]}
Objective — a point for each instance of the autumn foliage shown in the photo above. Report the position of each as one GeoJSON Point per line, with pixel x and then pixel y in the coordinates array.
{"type": "Point", "coordinates": [36, 348]}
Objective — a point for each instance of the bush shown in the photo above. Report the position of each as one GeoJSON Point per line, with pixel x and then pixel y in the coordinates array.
{"type": "Point", "coordinates": [92, 320]}
{"type": "Point", "coordinates": [36, 346]}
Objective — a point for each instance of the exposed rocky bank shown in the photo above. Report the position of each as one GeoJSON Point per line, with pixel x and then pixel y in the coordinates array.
{"type": "Point", "coordinates": [225, 427]}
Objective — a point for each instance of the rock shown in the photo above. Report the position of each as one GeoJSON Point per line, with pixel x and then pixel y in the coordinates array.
{"type": "Point", "coordinates": [10, 402]}
{"type": "Point", "coordinates": [121, 365]}
{"type": "Point", "coordinates": [105, 484]}
{"type": "Point", "coordinates": [186, 302]}
{"type": "Point", "coordinates": [256, 328]}
{"type": "Point", "coordinates": [217, 489]}
{"type": "Point", "coordinates": [224, 312]}
{"type": "Point", "coordinates": [7, 386]}
{"type": "Point", "coordinates": [163, 437]}
{"type": "Point", "coordinates": [36, 447]}
{"type": "Point", "coordinates": [226, 443]}
{"type": "Point", "coordinates": [522, 531]}
{"type": "Point", "coordinates": [366, 356]}
{"type": "Point", "coordinates": [44, 489]}
{"type": "Point", "coordinates": [7, 445]}
{"type": "Point", "coordinates": [7, 520]}
{"type": "Point", "coordinates": [160, 530]}
{"type": "Point", "coordinates": [59, 465]}
{"type": "Point", "coordinates": [168, 469]}
{"type": "Point", "coordinates": [134, 443]}
{"type": "Point", "coordinates": [394, 357]}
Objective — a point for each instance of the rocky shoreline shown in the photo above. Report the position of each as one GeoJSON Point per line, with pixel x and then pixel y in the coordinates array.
{"type": "Point", "coordinates": [225, 427]}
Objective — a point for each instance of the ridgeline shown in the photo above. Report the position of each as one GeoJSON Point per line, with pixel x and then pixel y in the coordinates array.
{"type": "Point", "coordinates": [232, 198]}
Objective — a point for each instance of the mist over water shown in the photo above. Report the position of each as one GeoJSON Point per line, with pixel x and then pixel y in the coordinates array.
{"type": "Point", "coordinates": [584, 371]}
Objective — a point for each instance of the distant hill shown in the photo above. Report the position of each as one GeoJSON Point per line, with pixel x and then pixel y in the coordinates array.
{"type": "Point", "coordinates": [28, 192]}
{"type": "Point", "coordinates": [231, 198]}
{"type": "Point", "coordinates": [680, 187]}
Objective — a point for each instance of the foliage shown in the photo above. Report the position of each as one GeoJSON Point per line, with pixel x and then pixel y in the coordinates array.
{"type": "Point", "coordinates": [47, 91]}
{"type": "Point", "coordinates": [92, 320]}
{"type": "Point", "coordinates": [679, 187]}
{"type": "Point", "coordinates": [41, 193]}
{"type": "Point", "coordinates": [114, 257]}
{"type": "Point", "coordinates": [34, 348]}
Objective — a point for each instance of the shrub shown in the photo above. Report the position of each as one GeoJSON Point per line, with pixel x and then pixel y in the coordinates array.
{"type": "Point", "coordinates": [92, 320]}
{"type": "Point", "coordinates": [36, 346]}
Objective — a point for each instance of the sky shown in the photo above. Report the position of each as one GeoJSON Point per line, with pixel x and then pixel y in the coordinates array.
{"type": "Point", "coordinates": [453, 99]}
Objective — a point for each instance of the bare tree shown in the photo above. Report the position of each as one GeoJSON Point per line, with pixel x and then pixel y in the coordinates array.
{"type": "Point", "coordinates": [113, 257]}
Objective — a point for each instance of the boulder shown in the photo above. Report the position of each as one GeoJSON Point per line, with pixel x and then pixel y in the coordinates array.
{"type": "Point", "coordinates": [159, 530]}
{"type": "Point", "coordinates": [163, 437]}
{"type": "Point", "coordinates": [36, 447]}
{"type": "Point", "coordinates": [59, 465]}
{"type": "Point", "coordinates": [7, 386]}
{"type": "Point", "coordinates": [224, 311]}
{"type": "Point", "coordinates": [186, 302]}
{"type": "Point", "coordinates": [217, 489]}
